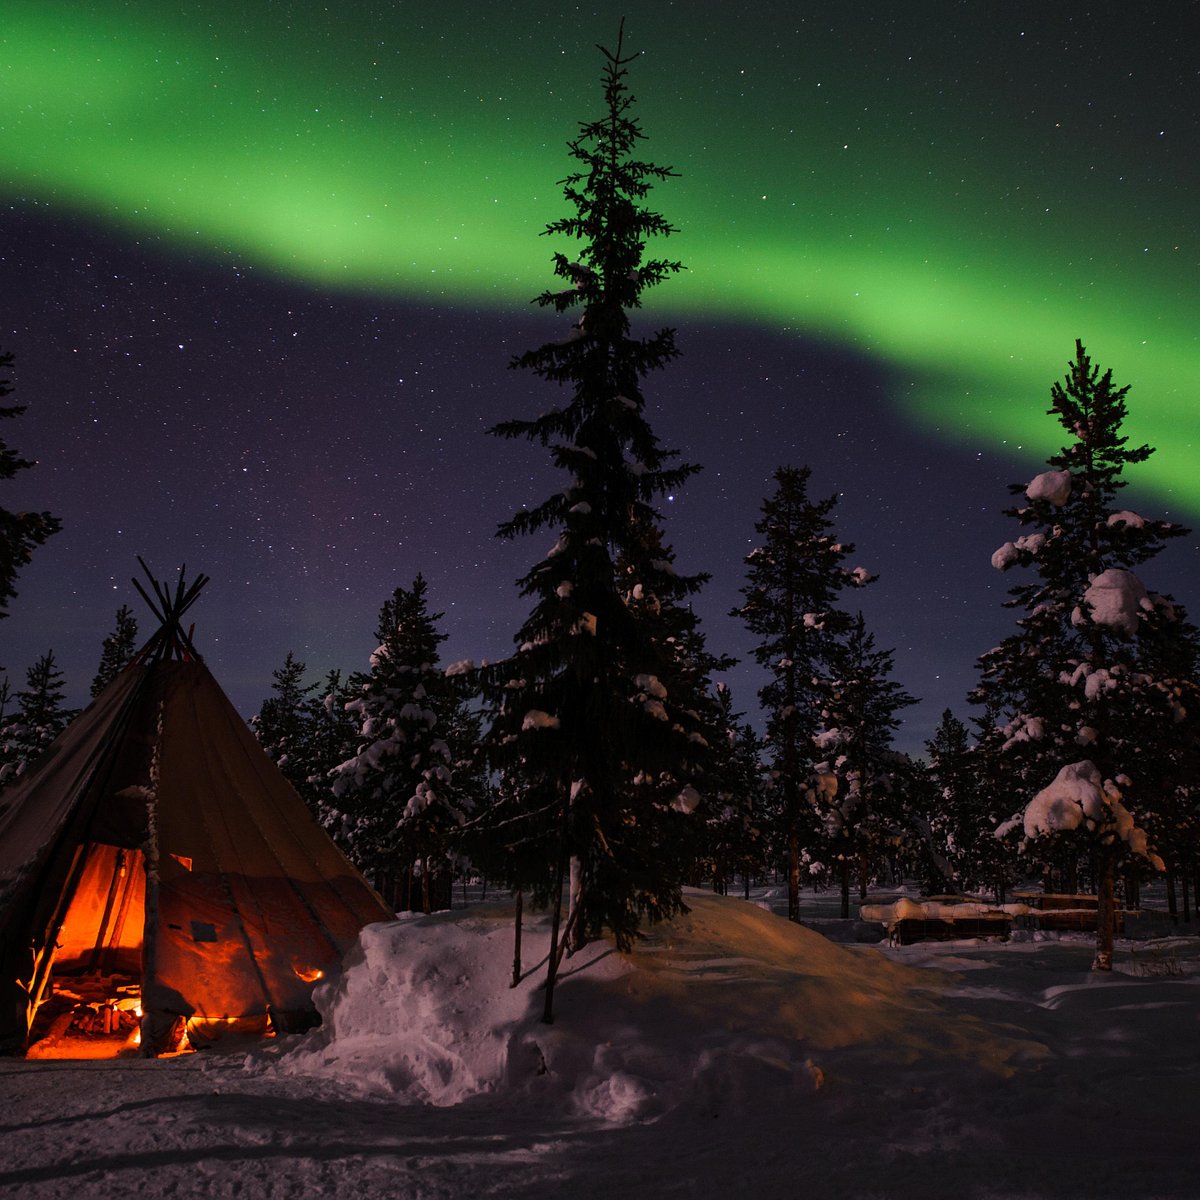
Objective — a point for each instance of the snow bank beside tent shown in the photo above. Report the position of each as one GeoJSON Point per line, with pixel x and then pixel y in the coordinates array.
{"type": "Point", "coordinates": [722, 1002]}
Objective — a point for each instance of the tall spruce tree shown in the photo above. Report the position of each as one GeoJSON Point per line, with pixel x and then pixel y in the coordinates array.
{"type": "Point", "coordinates": [794, 580]}
{"type": "Point", "coordinates": [597, 753]}
{"type": "Point", "coordinates": [117, 650]}
{"type": "Point", "coordinates": [1094, 687]}
{"type": "Point", "coordinates": [39, 718]}
{"type": "Point", "coordinates": [409, 786]}
{"type": "Point", "coordinates": [20, 532]}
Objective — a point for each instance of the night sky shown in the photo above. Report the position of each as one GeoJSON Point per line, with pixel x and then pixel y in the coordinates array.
{"type": "Point", "coordinates": [263, 268]}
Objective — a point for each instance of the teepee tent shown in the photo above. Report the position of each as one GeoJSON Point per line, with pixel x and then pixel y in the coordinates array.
{"type": "Point", "coordinates": [157, 839]}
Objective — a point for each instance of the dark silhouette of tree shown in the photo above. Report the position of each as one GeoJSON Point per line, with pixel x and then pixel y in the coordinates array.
{"type": "Point", "coordinates": [117, 650]}
{"type": "Point", "coordinates": [20, 532]}
{"type": "Point", "coordinates": [950, 817]}
{"type": "Point", "coordinates": [793, 583]}
{"type": "Point", "coordinates": [865, 813]}
{"type": "Point", "coordinates": [40, 717]}
{"type": "Point", "coordinates": [282, 722]}
{"type": "Point", "coordinates": [599, 764]}
{"type": "Point", "coordinates": [734, 834]}
{"type": "Point", "coordinates": [331, 737]}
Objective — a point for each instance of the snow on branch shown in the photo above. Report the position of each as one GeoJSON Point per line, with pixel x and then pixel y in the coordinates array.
{"type": "Point", "coordinates": [1116, 599]}
{"type": "Point", "coordinates": [687, 801]}
{"type": "Point", "coordinates": [1053, 486]}
{"type": "Point", "coordinates": [535, 718]}
{"type": "Point", "coordinates": [1080, 798]}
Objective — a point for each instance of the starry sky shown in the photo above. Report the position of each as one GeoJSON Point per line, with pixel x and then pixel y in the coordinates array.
{"type": "Point", "coordinates": [263, 268]}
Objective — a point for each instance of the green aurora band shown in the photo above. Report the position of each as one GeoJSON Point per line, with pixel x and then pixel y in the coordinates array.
{"type": "Point", "coordinates": [957, 200]}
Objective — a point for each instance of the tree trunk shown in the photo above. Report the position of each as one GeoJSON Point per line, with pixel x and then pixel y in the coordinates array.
{"type": "Point", "coordinates": [793, 874]}
{"type": "Point", "coordinates": [1172, 903]}
{"type": "Point", "coordinates": [516, 975]}
{"type": "Point", "coordinates": [845, 889]}
{"type": "Point", "coordinates": [1183, 887]}
{"type": "Point", "coordinates": [556, 916]}
{"type": "Point", "coordinates": [1106, 909]}
{"type": "Point", "coordinates": [579, 933]}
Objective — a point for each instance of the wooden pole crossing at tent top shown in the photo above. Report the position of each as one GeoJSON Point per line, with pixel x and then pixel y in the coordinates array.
{"type": "Point", "coordinates": [171, 641]}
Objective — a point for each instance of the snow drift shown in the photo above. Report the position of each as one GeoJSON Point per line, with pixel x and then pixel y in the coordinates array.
{"type": "Point", "coordinates": [721, 1002]}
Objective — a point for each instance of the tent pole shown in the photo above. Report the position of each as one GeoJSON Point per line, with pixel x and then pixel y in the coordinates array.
{"type": "Point", "coordinates": [109, 903]}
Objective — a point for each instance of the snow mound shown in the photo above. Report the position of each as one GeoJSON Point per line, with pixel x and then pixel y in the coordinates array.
{"type": "Point", "coordinates": [721, 1003]}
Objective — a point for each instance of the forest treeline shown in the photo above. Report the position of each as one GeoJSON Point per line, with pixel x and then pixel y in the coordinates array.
{"type": "Point", "coordinates": [600, 767]}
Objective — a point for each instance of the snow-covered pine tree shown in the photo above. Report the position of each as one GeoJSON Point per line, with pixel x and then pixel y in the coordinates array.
{"type": "Point", "coordinates": [794, 580]}
{"type": "Point", "coordinates": [400, 799]}
{"type": "Point", "coordinates": [39, 718]}
{"type": "Point", "coordinates": [1086, 694]}
{"type": "Point", "coordinates": [20, 532]}
{"type": "Point", "coordinates": [862, 819]}
{"type": "Point", "coordinates": [117, 650]}
{"type": "Point", "coordinates": [281, 724]}
{"type": "Point", "coordinates": [594, 748]}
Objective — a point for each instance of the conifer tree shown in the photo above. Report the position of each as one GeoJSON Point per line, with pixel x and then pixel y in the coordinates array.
{"type": "Point", "coordinates": [734, 839]}
{"type": "Point", "coordinates": [39, 718]}
{"type": "Point", "coordinates": [952, 819]}
{"type": "Point", "coordinates": [117, 650]}
{"type": "Point", "coordinates": [20, 532]}
{"type": "Point", "coordinates": [400, 797]}
{"type": "Point", "coordinates": [997, 791]}
{"type": "Point", "coordinates": [794, 580]}
{"type": "Point", "coordinates": [596, 751]}
{"type": "Point", "coordinates": [281, 724]}
{"type": "Point", "coordinates": [331, 737]}
{"type": "Point", "coordinates": [864, 814]}
{"type": "Point", "coordinates": [1095, 679]}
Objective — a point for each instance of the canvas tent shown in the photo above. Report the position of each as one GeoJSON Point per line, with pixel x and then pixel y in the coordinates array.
{"type": "Point", "coordinates": [157, 838]}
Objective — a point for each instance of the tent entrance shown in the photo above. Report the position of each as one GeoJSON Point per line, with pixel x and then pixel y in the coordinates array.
{"type": "Point", "coordinates": [92, 1004]}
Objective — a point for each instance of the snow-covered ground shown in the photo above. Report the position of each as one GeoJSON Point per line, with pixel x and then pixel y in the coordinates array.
{"type": "Point", "coordinates": [732, 1055]}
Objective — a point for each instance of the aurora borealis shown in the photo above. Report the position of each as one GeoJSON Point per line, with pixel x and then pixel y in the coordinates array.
{"type": "Point", "coordinates": [910, 212]}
